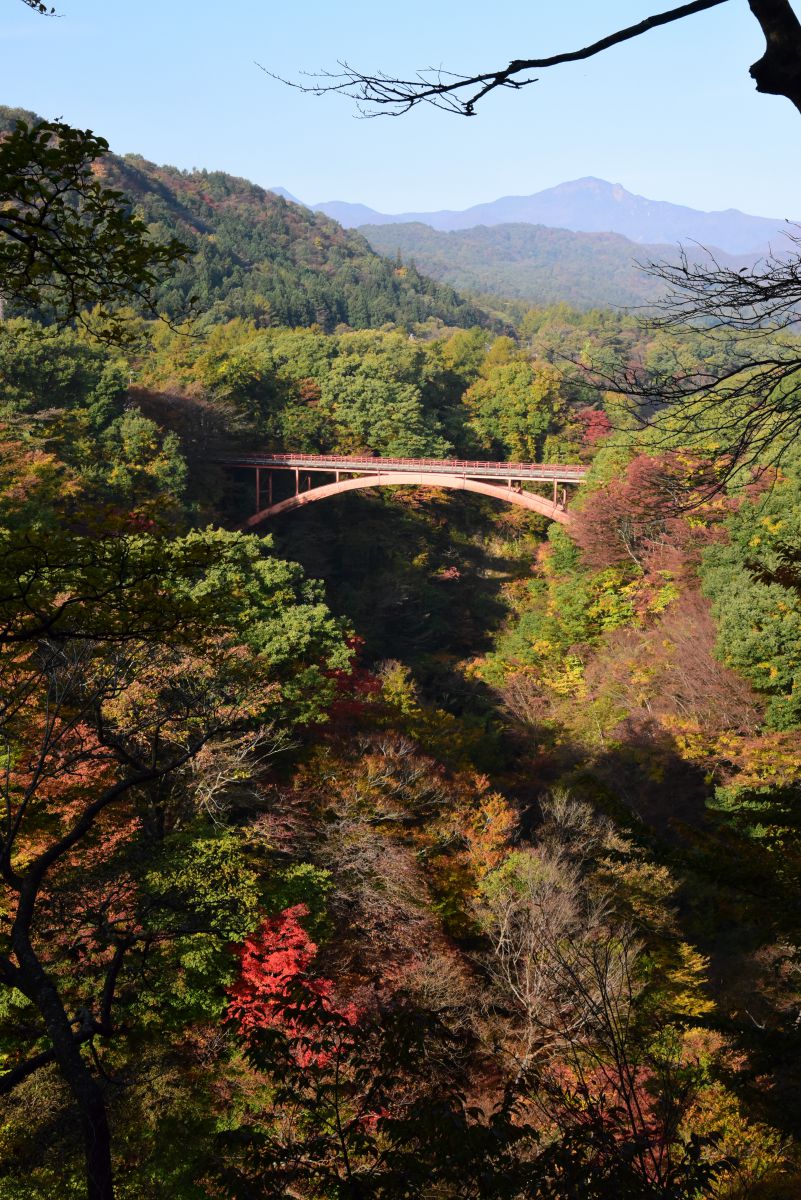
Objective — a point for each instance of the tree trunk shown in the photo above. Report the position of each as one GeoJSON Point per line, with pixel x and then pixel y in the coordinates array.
{"type": "Point", "coordinates": [37, 985]}
{"type": "Point", "coordinates": [778, 72]}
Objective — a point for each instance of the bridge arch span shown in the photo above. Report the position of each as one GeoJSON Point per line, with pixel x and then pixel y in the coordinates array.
{"type": "Point", "coordinates": [508, 495]}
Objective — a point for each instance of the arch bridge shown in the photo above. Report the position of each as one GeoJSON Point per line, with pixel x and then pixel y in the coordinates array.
{"type": "Point", "coordinates": [306, 476]}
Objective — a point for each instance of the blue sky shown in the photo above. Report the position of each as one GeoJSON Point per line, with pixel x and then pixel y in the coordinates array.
{"type": "Point", "coordinates": [672, 115]}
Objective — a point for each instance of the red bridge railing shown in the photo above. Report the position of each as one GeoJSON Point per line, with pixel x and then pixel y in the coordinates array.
{"type": "Point", "coordinates": [471, 463]}
{"type": "Point", "coordinates": [343, 462]}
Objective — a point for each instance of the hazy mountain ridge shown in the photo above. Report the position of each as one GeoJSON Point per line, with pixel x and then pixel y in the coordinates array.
{"type": "Point", "coordinates": [589, 205]}
{"type": "Point", "coordinates": [261, 254]}
{"type": "Point", "coordinates": [533, 262]}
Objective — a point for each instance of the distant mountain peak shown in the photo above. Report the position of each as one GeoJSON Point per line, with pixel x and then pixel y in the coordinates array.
{"type": "Point", "coordinates": [589, 205]}
{"type": "Point", "coordinates": [281, 191]}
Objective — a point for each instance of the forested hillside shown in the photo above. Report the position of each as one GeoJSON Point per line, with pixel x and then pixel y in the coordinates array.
{"type": "Point", "coordinates": [257, 255]}
{"type": "Point", "coordinates": [532, 262]}
{"type": "Point", "coordinates": [411, 848]}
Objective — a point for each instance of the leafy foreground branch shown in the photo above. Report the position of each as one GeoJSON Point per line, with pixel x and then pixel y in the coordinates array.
{"type": "Point", "coordinates": [68, 243]}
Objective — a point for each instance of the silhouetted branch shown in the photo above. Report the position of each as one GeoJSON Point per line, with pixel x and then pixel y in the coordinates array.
{"type": "Point", "coordinates": [777, 73]}
{"type": "Point", "coordinates": [37, 6]}
{"type": "Point", "coordinates": [768, 296]}
{"type": "Point", "coordinates": [446, 90]}
{"type": "Point", "coordinates": [746, 413]}
{"type": "Point", "coordinates": [739, 399]}
{"type": "Point", "coordinates": [11, 1079]}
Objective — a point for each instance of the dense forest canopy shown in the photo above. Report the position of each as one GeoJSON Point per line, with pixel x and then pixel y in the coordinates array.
{"type": "Point", "coordinates": [470, 871]}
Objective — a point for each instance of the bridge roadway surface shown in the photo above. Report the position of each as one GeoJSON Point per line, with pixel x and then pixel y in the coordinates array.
{"type": "Point", "coordinates": [366, 471]}
{"type": "Point", "coordinates": [560, 472]}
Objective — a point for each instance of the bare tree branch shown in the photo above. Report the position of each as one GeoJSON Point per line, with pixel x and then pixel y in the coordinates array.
{"type": "Point", "coordinates": [38, 7]}
{"type": "Point", "coordinates": [744, 396]}
{"type": "Point", "coordinates": [446, 90]}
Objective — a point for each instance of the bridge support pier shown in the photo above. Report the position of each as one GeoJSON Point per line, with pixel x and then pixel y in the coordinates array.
{"type": "Point", "coordinates": [260, 488]}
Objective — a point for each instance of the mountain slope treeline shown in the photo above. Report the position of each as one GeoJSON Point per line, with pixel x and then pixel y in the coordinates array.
{"type": "Point", "coordinates": [258, 255]}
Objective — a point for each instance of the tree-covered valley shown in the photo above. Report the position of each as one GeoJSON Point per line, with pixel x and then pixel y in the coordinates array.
{"type": "Point", "coordinates": [411, 846]}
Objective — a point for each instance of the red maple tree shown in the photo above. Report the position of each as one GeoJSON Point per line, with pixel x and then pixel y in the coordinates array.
{"type": "Point", "coordinates": [277, 992]}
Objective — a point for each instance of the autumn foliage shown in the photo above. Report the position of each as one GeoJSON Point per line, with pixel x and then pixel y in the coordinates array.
{"type": "Point", "coordinates": [276, 993]}
{"type": "Point", "coordinates": [595, 425]}
{"type": "Point", "coordinates": [638, 518]}
{"type": "Point", "coordinates": [445, 898]}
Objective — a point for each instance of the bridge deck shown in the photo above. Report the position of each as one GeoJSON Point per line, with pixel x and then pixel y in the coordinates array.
{"type": "Point", "coordinates": [368, 465]}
